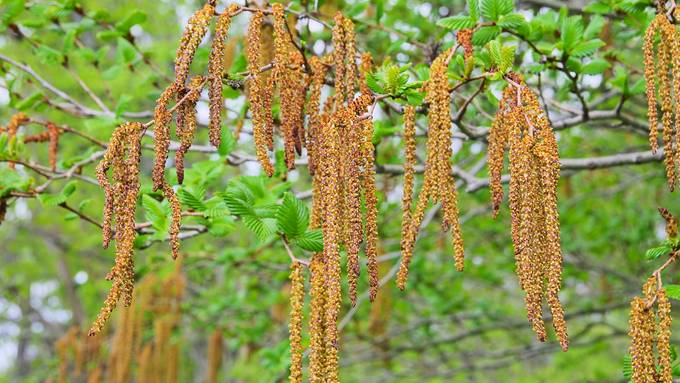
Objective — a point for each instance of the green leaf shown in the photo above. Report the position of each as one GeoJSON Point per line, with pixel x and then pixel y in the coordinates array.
{"type": "Point", "coordinates": [507, 58]}
{"type": "Point", "coordinates": [571, 32]}
{"type": "Point", "coordinates": [30, 101]}
{"type": "Point", "coordinates": [597, 7]}
{"type": "Point", "coordinates": [493, 9]}
{"type": "Point", "coordinates": [495, 52]}
{"type": "Point", "coordinates": [512, 21]}
{"type": "Point", "coordinates": [311, 240]}
{"type": "Point", "coordinates": [673, 291]}
{"type": "Point", "coordinates": [596, 66]}
{"type": "Point", "coordinates": [262, 227]}
{"type": "Point", "coordinates": [190, 200]}
{"type": "Point", "coordinates": [627, 366]}
{"type": "Point", "coordinates": [586, 48]}
{"type": "Point", "coordinates": [125, 52]}
{"type": "Point", "coordinates": [134, 18]}
{"type": "Point", "coordinates": [60, 198]}
{"type": "Point", "coordinates": [49, 55]}
{"type": "Point", "coordinates": [292, 216]}
{"type": "Point", "coordinates": [457, 22]}
{"type": "Point", "coordinates": [485, 34]}
{"type": "Point", "coordinates": [156, 212]}
{"type": "Point", "coordinates": [656, 252]}
{"type": "Point", "coordinates": [221, 226]}
{"type": "Point", "coordinates": [594, 27]}
{"type": "Point", "coordinates": [473, 9]}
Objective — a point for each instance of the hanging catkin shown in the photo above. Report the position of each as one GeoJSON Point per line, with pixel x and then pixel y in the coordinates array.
{"type": "Point", "coordinates": [438, 185]}
{"type": "Point", "coordinates": [646, 335]}
{"type": "Point", "coordinates": [317, 326]}
{"type": "Point", "coordinates": [409, 139]}
{"type": "Point", "coordinates": [297, 299]}
{"type": "Point", "coordinates": [123, 156]}
{"type": "Point", "coordinates": [521, 124]}
{"type": "Point", "coordinates": [13, 127]}
{"type": "Point", "coordinates": [196, 28]}
{"type": "Point", "coordinates": [667, 73]}
{"type": "Point", "coordinates": [289, 77]}
{"type": "Point", "coordinates": [256, 93]}
{"type": "Point", "coordinates": [186, 126]}
{"type": "Point", "coordinates": [216, 64]}
{"type": "Point", "coordinates": [313, 111]}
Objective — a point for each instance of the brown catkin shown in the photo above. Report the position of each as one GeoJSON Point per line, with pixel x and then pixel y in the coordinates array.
{"type": "Point", "coordinates": [297, 299]}
{"type": "Point", "coordinates": [371, 201]}
{"type": "Point", "coordinates": [215, 345]}
{"type": "Point", "coordinates": [671, 223]}
{"type": "Point", "coordinates": [187, 128]}
{"type": "Point", "coordinates": [339, 56]}
{"type": "Point", "coordinates": [355, 234]}
{"type": "Point", "coordinates": [123, 156]}
{"type": "Point", "coordinates": [216, 65]}
{"type": "Point", "coordinates": [438, 184]}
{"type": "Point", "coordinates": [256, 93]}
{"type": "Point", "coordinates": [176, 219]}
{"type": "Point", "coordinates": [53, 132]}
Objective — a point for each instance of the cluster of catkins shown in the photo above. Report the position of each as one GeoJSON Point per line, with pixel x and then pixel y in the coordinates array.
{"type": "Point", "coordinates": [665, 72]}
{"type": "Point", "coordinates": [522, 125]}
{"type": "Point", "coordinates": [439, 184]}
{"type": "Point", "coordinates": [50, 135]}
{"type": "Point", "coordinates": [122, 156]}
{"type": "Point", "coordinates": [133, 355]}
{"type": "Point", "coordinates": [650, 331]}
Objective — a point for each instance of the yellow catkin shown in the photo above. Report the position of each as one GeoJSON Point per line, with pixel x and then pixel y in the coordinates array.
{"type": "Point", "coordinates": [650, 78]}
{"type": "Point", "coordinates": [297, 298]}
{"type": "Point", "coordinates": [498, 141]}
{"type": "Point", "coordinates": [331, 227]}
{"type": "Point", "coordinates": [256, 92]}
{"type": "Point", "coordinates": [663, 344]}
{"type": "Point", "coordinates": [162, 117]}
{"type": "Point", "coordinates": [667, 73]}
{"type": "Point", "coordinates": [438, 185]}
{"type": "Point", "coordinates": [313, 111]}
{"type": "Point", "coordinates": [216, 65]}
{"type": "Point", "coordinates": [13, 127]}
{"type": "Point", "coordinates": [186, 126]}
{"type": "Point", "coordinates": [289, 77]}
{"type": "Point", "coordinates": [409, 139]}
{"type": "Point", "coordinates": [339, 57]}
{"type": "Point", "coordinates": [521, 124]}
{"type": "Point", "coordinates": [193, 34]}
{"type": "Point", "coordinates": [371, 201]}
{"type": "Point", "coordinates": [123, 156]}
{"type": "Point", "coordinates": [173, 364]}
{"type": "Point", "coordinates": [642, 342]}
{"type": "Point", "coordinates": [350, 77]}
{"type": "Point", "coordinates": [317, 356]}
{"type": "Point", "coordinates": [214, 355]}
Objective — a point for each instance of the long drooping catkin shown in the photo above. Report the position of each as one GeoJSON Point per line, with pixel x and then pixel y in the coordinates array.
{"type": "Point", "coordinates": [216, 73]}
{"type": "Point", "coordinates": [196, 28]}
{"type": "Point", "coordinates": [313, 111]}
{"type": "Point", "coordinates": [317, 324]}
{"type": "Point", "coordinates": [123, 156]}
{"type": "Point", "coordinates": [256, 93]}
{"type": "Point", "coordinates": [297, 299]}
{"type": "Point", "coordinates": [289, 77]}
{"type": "Point", "coordinates": [521, 124]}
{"type": "Point", "coordinates": [667, 73]}
{"type": "Point", "coordinates": [439, 184]}
{"type": "Point", "coordinates": [355, 234]}
{"type": "Point", "coordinates": [186, 126]}
{"type": "Point", "coordinates": [663, 343]}
{"type": "Point", "coordinates": [161, 119]}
